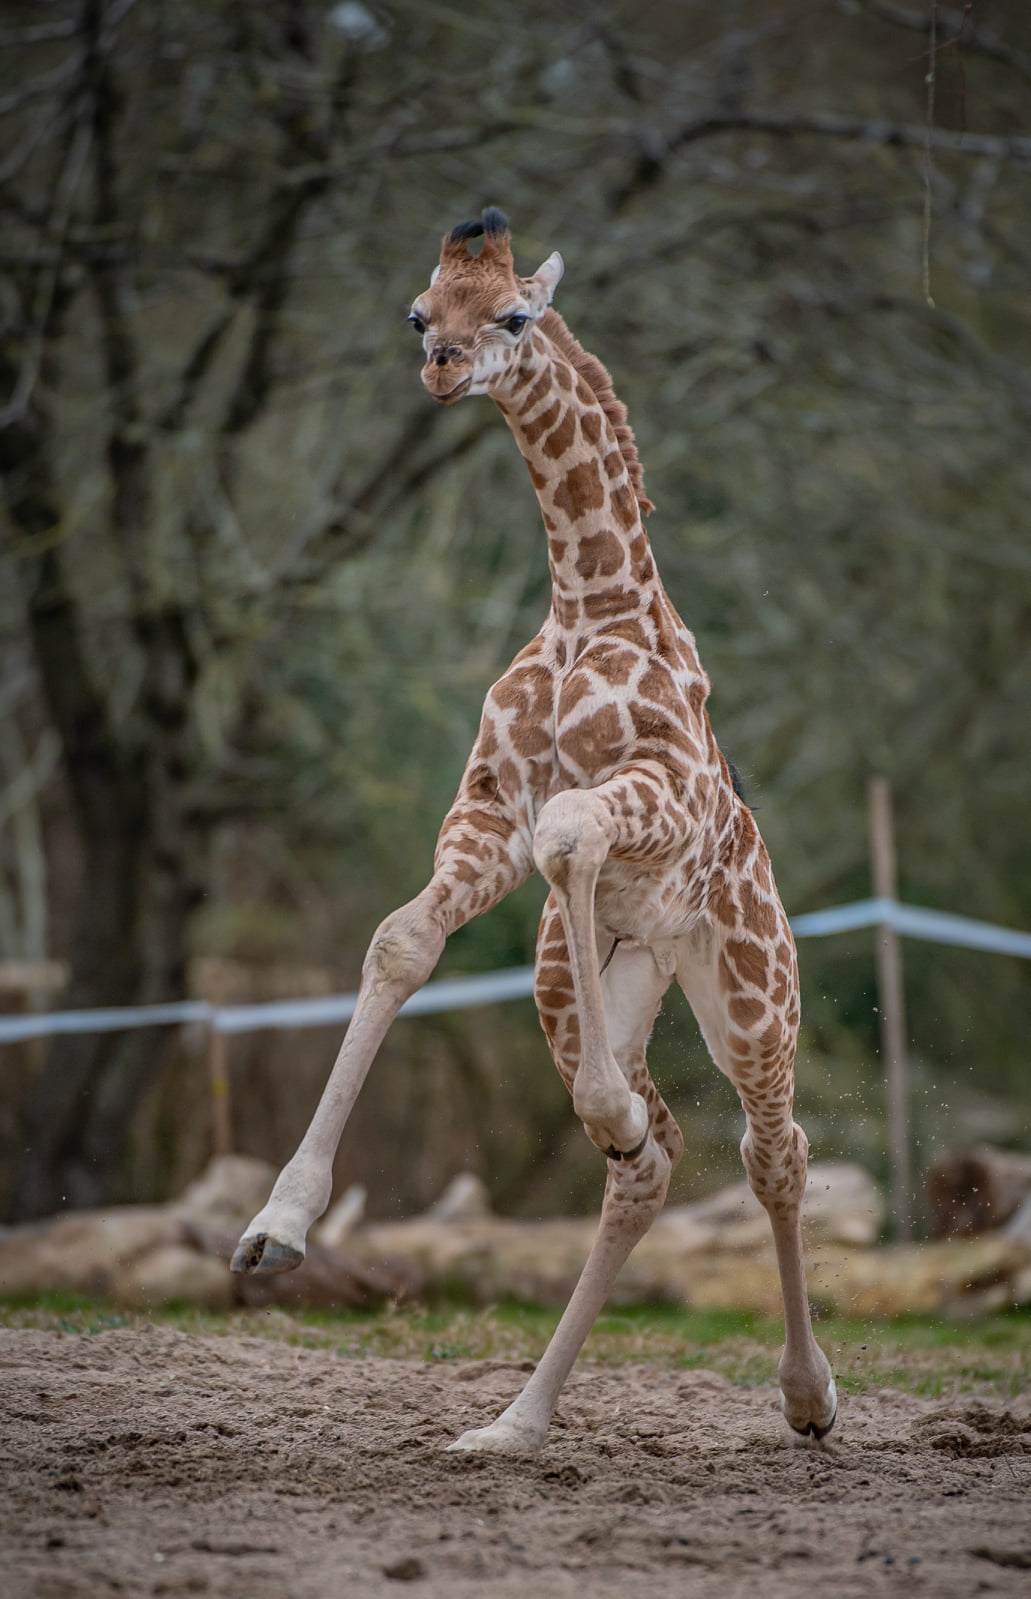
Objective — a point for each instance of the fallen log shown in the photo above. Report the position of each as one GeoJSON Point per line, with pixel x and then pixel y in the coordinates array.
{"type": "Point", "coordinates": [82, 1251]}
{"type": "Point", "coordinates": [714, 1254]}
{"type": "Point", "coordinates": [146, 1256]}
{"type": "Point", "coordinates": [952, 1277]}
{"type": "Point", "coordinates": [975, 1190]}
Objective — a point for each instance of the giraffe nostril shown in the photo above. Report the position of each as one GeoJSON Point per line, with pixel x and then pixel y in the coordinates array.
{"type": "Point", "coordinates": [442, 358]}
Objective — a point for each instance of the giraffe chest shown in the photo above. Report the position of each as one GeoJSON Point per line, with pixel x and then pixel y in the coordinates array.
{"type": "Point", "coordinates": [575, 714]}
{"type": "Point", "coordinates": [620, 704]}
{"type": "Point", "coordinates": [639, 907]}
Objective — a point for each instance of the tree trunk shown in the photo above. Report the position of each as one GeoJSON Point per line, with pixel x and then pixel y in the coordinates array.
{"type": "Point", "coordinates": [129, 944]}
{"type": "Point", "coordinates": [129, 939]}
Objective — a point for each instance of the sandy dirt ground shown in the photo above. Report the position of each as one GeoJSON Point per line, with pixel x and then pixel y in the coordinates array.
{"type": "Point", "coordinates": [153, 1462]}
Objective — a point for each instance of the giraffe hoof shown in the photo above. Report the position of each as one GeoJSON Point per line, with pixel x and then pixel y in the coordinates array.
{"type": "Point", "coordinates": [813, 1431]}
{"type": "Point", "coordinates": [263, 1256]}
{"type": "Point", "coordinates": [811, 1428]}
{"type": "Point", "coordinates": [500, 1438]}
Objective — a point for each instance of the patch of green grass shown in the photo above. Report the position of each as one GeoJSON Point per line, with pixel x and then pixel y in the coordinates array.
{"type": "Point", "coordinates": [918, 1354]}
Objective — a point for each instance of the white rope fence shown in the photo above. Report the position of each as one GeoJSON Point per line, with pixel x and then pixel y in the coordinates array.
{"type": "Point", "coordinates": [490, 988]}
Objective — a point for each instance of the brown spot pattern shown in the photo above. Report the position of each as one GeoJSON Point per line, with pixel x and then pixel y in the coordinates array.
{"type": "Point", "coordinates": [541, 388]}
{"type": "Point", "coordinates": [599, 555]}
{"type": "Point", "coordinates": [580, 491]}
{"type": "Point", "coordinates": [481, 783]}
{"type": "Point", "coordinates": [561, 440]}
{"type": "Point", "coordinates": [624, 506]}
{"type": "Point", "coordinates": [540, 425]}
{"type": "Point", "coordinates": [749, 959]}
{"type": "Point", "coordinates": [595, 742]}
{"type": "Point", "coordinates": [614, 665]}
{"type": "Point", "coordinates": [608, 602]}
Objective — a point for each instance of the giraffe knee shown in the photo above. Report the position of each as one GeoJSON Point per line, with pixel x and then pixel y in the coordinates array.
{"type": "Point", "coordinates": [404, 949]}
{"type": "Point", "coordinates": [570, 832]}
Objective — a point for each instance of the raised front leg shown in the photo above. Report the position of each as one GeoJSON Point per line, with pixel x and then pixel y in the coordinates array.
{"type": "Point", "coordinates": [574, 835]}
{"type": "Point", "coordinates": [403, 953]}
{"type": "Point", "coordinates": [480, 857]}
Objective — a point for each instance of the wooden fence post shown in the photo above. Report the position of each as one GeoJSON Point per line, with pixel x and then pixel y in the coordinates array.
{"type": "Point", "coordinates": [891, 1005]}
{"type": "Point", "coordinates": [218, 1083]}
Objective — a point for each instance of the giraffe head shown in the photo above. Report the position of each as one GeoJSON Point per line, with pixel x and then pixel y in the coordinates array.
{"type": "Point", "coordinates": [476, 314]}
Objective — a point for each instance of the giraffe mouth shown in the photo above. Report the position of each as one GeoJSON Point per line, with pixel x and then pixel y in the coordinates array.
{"type": "Point", "coordinates": [453, 394]}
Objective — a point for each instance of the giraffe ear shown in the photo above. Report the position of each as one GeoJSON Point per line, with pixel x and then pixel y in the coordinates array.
{"type": "Point", "coordinates": [546, 279]}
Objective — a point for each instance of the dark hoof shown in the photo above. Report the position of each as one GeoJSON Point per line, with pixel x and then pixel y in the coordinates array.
{"type": "Point", "coordinates": [264, 1256]}
{"type": "Point", "coordinates": [813, 1431]}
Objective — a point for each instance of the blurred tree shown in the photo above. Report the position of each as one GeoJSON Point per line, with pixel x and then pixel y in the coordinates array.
{"type": "Point", "coordinates": [158, 177]}
{"type": "Point", "coordinates": [255, 586]}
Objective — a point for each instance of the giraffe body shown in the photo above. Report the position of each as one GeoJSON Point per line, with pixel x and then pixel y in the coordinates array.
{"type": "Point", "coordinates": [594, 763]}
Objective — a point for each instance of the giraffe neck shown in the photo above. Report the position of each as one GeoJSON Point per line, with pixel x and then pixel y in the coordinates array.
{"type": "Point", "coordinates": [598, 551]}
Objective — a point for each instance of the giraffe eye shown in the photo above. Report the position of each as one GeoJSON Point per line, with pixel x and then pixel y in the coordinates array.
{"type": "Point", "coordinates": [417, 323]}
{"type": "Point", "coordinates": [516, 324]}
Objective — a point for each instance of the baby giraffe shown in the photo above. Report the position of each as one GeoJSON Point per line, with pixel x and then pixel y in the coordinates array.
{"type": "Point", "coordinates": [594, 763]}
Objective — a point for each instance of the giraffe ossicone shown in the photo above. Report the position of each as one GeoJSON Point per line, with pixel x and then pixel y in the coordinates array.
{"type": "Point", "coordinates": [596, 764]}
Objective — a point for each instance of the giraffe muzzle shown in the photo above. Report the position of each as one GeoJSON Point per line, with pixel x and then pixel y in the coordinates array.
{"type": "Point", "coordinates": [434, 377]}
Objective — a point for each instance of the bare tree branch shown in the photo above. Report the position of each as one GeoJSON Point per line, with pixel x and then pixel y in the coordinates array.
{"type": "Point", "coordinates": [46, 123]}
{"type": "Point", "coordinates": [47, 276]}
{"type": "Point", "coordinates": [41, 87]}
{"type": "Point", "coordinates": [966, 33]}
{"type": "Point", "coordinates": [41, 33]}
{"type": "Point", "coordinates": [792, 124]}
{"type": "Point", "coordinates": [657, 148]}
{"type": "Point", "coordinates": [270, 270]}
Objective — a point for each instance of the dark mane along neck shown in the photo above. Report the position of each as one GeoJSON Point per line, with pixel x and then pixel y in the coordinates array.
{"type": "Point", "coordinates": [598, 380]}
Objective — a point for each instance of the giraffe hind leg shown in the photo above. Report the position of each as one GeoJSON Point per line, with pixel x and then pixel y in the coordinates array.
{"type": "Point", "coordinates": [742, 987]}
{"type": "Point", "coordinates": [635, 1188]}
{"type": "Point", "coordinates": [808, 1396]}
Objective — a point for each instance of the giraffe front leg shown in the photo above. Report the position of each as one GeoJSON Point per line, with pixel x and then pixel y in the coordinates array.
{"type": "Point", "coordinates": [571, 843]}
{"type": "Point", "coordinates": [403, 953]}
{"type": "Point", "coordinates": [480, 858]}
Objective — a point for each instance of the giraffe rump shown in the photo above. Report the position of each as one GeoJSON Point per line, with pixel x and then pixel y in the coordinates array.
{"type": "Point", "coordinates": [600, 383]}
